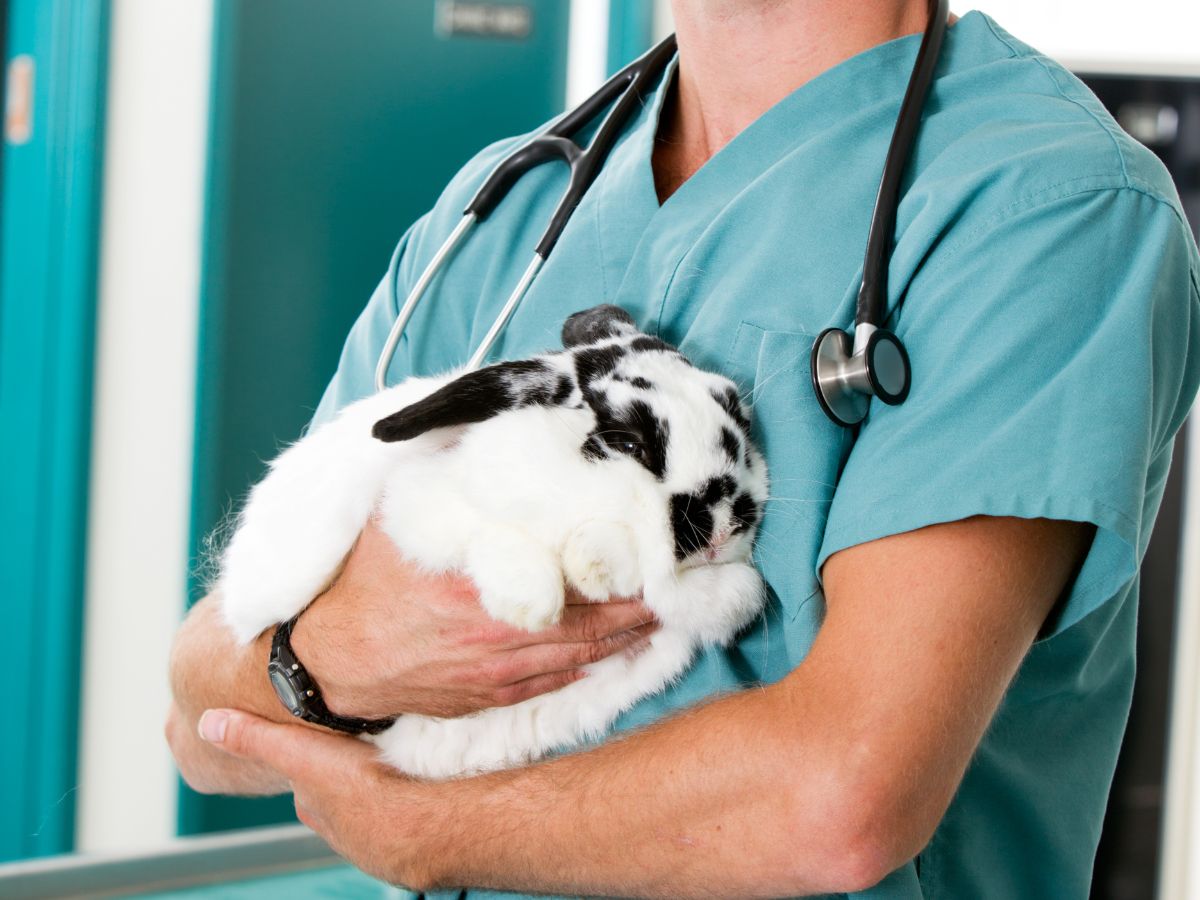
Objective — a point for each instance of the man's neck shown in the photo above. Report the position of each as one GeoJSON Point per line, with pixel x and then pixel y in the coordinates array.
{"type": "Point", "coordinates": [738, 58]}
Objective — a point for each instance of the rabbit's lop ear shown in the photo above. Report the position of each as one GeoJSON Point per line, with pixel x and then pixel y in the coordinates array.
{"type": "Point", "coordinates": [478, 396]}
{"type": "Point", "coordinates": [596, 324]}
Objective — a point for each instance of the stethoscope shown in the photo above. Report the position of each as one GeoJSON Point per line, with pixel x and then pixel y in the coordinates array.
{"type": "Point", "coordinates": [846, 370]}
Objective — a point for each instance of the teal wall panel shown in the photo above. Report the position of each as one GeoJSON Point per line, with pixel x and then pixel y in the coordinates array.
{"type": "Point", "coordinates": [334, 127]}
{"type": "Point", "coordinates": [48, 244]}
{"type": "Point", "coordinates": [630, 31]}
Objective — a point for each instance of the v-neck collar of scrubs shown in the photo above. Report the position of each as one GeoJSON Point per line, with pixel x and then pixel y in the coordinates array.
{"type": "Point", "coordinates": [641, 242]}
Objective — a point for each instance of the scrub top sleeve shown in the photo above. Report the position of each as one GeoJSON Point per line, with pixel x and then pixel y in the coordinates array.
{"type": "Point", "coordinates": [1053, 359]}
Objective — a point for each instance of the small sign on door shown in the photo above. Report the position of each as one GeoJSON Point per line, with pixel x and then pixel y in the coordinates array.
{"type": "Point", "coordinates": [513, 21]}
{"type": "Point", "coordinates": [18, 101]}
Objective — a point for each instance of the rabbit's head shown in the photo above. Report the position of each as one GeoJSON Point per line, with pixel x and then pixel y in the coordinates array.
{"type": "Point", "coordinates": [685, 429]}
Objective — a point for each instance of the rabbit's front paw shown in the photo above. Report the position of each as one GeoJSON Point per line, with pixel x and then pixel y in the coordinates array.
{"type": "Point", "coordinates": [601, 560]}
{"type": "Point", "coordinates": [524, 606]}
{"type": "Point", "coordinates": [519, 581]}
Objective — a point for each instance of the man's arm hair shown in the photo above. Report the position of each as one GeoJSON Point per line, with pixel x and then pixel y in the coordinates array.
{"type": "Point", "coordinates": [824, 782]}
{"type": "Point", "coordinates": [209, 669]}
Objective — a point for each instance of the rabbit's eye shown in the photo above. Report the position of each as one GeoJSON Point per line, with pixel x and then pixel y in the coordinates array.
{"type": "Point", "coordinates": [630, 445]}
{"type": "Point", "coordinates": [634, 432]}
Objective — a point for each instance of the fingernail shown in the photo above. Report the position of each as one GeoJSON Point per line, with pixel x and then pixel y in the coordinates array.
{"type": "Point", "coordinates": [212, 725]}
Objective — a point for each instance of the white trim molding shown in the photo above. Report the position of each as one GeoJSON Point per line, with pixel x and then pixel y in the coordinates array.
{"type": "Point", "coordinates": [156, 134]}
{"type": "Point", "coordinates": [587, 49]}
{"type": "Point", "coordinates": [1179, 870]}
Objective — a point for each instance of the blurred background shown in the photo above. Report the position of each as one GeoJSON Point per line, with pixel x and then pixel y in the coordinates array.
{"type": "Point", "coordinates": [196, 199]}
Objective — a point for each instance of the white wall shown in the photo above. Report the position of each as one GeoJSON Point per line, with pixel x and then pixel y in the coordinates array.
{"type": "Point", "coordinates": [587, 49]}
{"type": "Point", "coordinates": [143, 416]}
{"type": "Point", "coordinates": [1107, 35]}
{"type": "Point", "coordinates": [1096, 35]}
{"type": "Point", "coordinates": [664, 22]}
{"type": "Point", "coordinates": [1180, 869]}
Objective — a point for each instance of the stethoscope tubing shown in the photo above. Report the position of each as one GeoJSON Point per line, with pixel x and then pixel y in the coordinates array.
{"type": "Point", "coordinates": [457, 236]}
{"type": "Point", "coordinates": [625, 93]}
{"type": "Point", "coordinates": [848, 370]}
{"type": "Point", "coordinates": [871, 307]}
{"type": "Point", "coordinates": [510, 306]}
{"type": "Point", "coordinates": [628, 88]}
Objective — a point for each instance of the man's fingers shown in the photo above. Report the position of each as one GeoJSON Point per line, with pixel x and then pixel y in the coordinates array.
{"type": "Point", "coordinates": [535, 686]}
{"type": "Point", "coordinates": [593, 622]}
{"type": "Point", "coordinates": [291, 750]}
{"type": "Point", "coordinates": [558, 665]}
{"type": "Point", "coordinates": [541, 659]}
{"type": "Point", "coordinates": [582, 620]}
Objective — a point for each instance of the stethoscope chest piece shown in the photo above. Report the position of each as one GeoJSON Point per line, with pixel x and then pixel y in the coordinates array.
{"type": "Point", "coordinates": [848, 371]}
{"type": "Point", "coordinates": [845, 380]}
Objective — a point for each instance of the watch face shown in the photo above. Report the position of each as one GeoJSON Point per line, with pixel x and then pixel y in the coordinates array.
{"type": "Point", "coordinates": [284, 688]}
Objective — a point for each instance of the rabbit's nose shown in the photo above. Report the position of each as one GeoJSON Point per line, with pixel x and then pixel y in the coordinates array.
{"type": "Point", "coordinates": [717, 544]}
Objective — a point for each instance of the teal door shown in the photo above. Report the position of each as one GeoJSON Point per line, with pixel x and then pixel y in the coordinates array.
{"type": "Point", "coordinates": [334, 126]}
{"type": "Point", "coordinates": [630, 31]}
{"type": "Point", "coordinates": [55, 53]}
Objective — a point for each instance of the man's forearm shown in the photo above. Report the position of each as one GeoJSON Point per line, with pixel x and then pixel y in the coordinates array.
{"type": "Point", "coordinates": [822, 783]}
{"type": "Point", "coordinates": [704, 805]}
{"type": "Point", "coordinates": [209, 669]}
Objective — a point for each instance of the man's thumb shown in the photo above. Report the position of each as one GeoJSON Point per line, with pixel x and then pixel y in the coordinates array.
{"type": "Point", "coordinates": [213, 723]}
{"type": "Point", "coordinates": [251, 737]}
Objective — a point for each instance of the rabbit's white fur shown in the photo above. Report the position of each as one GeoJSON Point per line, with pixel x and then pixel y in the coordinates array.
{"type": "Point", "coordinates": [512, 502]}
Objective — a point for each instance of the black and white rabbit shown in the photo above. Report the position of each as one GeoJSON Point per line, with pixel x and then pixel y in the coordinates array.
{"type": "Point", "coordinates": [614, 465]}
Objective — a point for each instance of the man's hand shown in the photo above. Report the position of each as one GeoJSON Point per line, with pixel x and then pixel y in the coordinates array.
{"type": "Point", "coordinates": [389, 638]}
{"type": "Point", "coordinates": [386, 639]}
{"type": "Point", "coordinates": [369, 813]}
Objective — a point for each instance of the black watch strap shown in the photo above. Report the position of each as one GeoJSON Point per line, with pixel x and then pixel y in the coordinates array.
{"type": "Point", "coordinates": [298, 691]}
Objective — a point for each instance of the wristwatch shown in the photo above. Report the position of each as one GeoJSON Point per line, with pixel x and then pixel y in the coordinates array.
{"type": "Point", "coordinates": [298, 691]}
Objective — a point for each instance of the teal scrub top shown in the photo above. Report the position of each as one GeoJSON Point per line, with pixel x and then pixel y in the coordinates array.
{"type": "Point", "coordinates": [1044, 280]}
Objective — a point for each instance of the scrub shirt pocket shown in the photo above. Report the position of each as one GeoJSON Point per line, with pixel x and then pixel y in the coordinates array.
{"type": "Point", "coordinates": [804, 453]}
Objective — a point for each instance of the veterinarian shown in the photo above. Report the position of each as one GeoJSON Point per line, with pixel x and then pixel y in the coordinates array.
{"type": "Point", "coordinates": [934, 701]}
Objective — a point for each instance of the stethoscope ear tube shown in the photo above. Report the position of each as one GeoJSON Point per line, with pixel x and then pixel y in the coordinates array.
{"type": "Point", "coordinates": [847, 372]}
{"type": "Point", "coordinates": [625, 92]}
{"type": "Point", "coordinates": [404, 313]}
